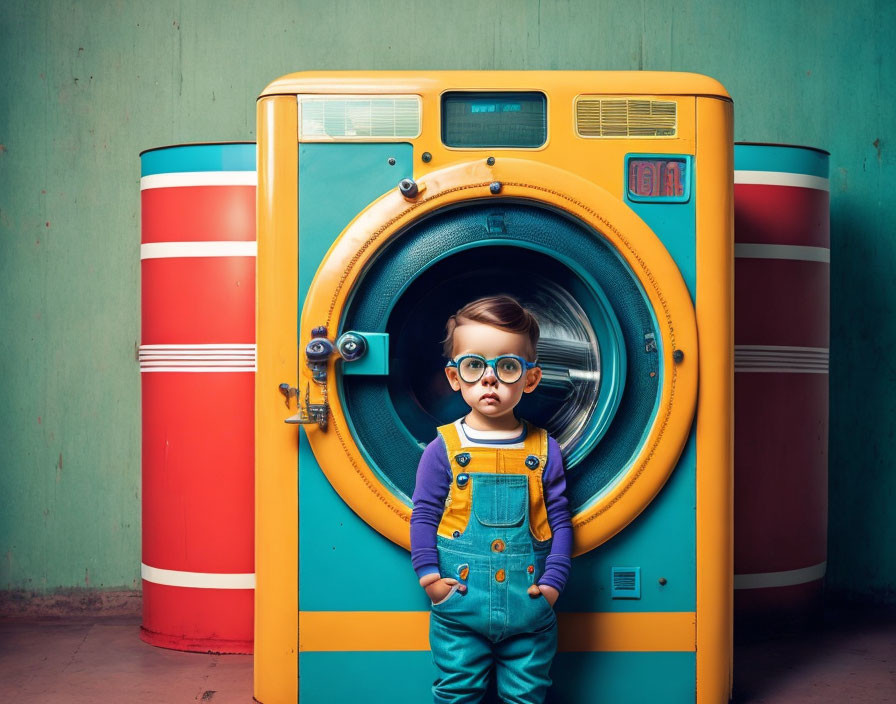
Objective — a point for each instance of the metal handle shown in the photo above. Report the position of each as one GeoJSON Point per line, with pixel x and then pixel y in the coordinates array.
{"type": "Point", "coordinates": [308, 413]}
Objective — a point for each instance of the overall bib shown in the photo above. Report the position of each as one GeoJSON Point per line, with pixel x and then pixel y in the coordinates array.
{"type": "Point", "coordinates": [494, 538]}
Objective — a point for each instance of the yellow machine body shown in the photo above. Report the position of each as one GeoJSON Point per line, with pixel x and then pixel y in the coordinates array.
{"type": "Point", "coordinates": [678, 251]}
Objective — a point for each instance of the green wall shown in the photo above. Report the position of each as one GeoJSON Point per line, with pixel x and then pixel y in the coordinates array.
{"type": "Point", "coordinates": [88, 85]}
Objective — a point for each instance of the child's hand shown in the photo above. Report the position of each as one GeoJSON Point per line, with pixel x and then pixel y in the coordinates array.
{"type": "Point", "coordinates": [438, 589]}
{"type": "Point", "coordinates": [545, 590]}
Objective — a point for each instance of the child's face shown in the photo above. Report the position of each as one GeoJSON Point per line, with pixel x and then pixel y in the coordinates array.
{"type": "Point", "coordinates": [491, 401]}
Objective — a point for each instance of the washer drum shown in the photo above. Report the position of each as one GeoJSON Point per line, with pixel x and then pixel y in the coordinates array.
{"type": "Point", "coordinates": [197, 364]}
{"type": "Point", "coordinates": [782, 305]}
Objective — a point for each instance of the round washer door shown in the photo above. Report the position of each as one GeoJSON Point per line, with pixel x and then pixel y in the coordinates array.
{"type": "Point", "coordinates": [618, 348]}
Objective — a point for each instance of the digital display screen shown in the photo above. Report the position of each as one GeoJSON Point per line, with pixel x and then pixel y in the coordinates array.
{"type": "Point", "coordinates": [658, 178]}
{"type": "Point", "coordinates": [475, 119]}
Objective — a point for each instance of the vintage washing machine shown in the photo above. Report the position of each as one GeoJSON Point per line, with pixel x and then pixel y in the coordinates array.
{"type": "Point", "coordinates": [603, 200]}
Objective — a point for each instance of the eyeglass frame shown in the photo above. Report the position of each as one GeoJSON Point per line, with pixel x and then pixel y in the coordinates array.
{"type": "Point", "coordinates": [525, 366]}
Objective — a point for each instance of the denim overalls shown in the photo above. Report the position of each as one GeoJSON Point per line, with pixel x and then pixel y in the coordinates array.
{"type": "Point", "coordinates": [494, 538]}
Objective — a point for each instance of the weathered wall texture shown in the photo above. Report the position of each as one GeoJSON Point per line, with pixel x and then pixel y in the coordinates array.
{"type": "Point", "coordinates": [88, 85]}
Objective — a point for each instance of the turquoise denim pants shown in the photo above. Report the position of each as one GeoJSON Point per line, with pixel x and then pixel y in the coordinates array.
{"type": "Point", "coordinates": [495, 625]}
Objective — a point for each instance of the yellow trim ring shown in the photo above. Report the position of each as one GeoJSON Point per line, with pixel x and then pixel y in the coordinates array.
{"type": "Point", "coordinates": [336, 450]}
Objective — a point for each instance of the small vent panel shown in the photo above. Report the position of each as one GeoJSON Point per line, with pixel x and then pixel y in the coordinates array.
{"type": "Point", "coordinates": [346, 118]}
{"type": "Point", "coordinates": [626, 117]}
{"type": "Point", "coordinates": [626, 583]}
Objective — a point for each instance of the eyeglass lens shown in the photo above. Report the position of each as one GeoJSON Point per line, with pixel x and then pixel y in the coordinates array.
{"type": "Point", "coordinates": [507, 369]}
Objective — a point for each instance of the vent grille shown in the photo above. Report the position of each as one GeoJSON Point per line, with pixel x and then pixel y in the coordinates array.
{"type": "Point", "coordinates": [358, 117]}
{"type": "Point", "coordinates": [626, 583]}
{"type": "Point", "coordinates": [621, 117]}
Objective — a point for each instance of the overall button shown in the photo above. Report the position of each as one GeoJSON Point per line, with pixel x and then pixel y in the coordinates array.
{"type": "Point", "coordinates": [500, 576]}
{"type": "Point", "coordinates": [498, 545]}
{"type": "Point", "coordinates": [463, 459]}
{"type": "Point", "coordinates": [462, 480]}
{"type": "Point", "coordinates": [532, 462]}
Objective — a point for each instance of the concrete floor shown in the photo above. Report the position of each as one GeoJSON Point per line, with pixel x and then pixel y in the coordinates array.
{"type": "Point", "coordinates": [849, 658]}
{"type": "Point", "coordinates": [86, 662]}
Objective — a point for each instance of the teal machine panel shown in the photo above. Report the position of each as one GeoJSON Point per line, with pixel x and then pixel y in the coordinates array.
{"type": "Point", "coordinates": [338, 551]}
{"type": "Point", "coordinates": [335, 546]}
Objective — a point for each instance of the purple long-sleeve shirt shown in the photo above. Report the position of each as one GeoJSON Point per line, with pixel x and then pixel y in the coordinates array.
{"type": "Point", "coordinates": [434, 481]}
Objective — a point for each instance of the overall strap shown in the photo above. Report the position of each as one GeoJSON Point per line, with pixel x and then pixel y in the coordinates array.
{"type": "Point", "coordinates": [536, 445]}
{"type": "Point", "coordinates": [536, 442]}
{"type": "Point", "coordinates": [458, 503]}
{"type": "Point", "coordinates": [451, 437]}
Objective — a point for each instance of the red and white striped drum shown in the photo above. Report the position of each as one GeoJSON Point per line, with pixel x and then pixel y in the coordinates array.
{"type": "Point", "coordinates": [197, 364]}
{"type": "Point", "coordinates": [782, 305]}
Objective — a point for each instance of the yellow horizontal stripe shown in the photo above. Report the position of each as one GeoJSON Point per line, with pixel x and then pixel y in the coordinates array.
{"type": "Point", "coordinates": [325, 631]}
{"type": "Point", "coordinates": [631, 632]}
{"type": "Point", "coordinates": [335, 631]}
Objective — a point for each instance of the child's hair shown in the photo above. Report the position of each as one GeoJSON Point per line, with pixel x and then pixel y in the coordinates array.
{"type": "Point", "coordinates": [501, 311]}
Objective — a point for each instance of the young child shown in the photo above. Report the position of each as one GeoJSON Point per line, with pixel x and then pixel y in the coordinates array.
{"type": "Point", "coordinates": [490, 530]}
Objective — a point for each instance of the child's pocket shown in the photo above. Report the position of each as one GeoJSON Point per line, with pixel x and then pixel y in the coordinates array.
{"type": "Point", "coordinates": [444, 599]}
{"type": "Point", "coordinates": [501, 501]}
{"type": "Point", "coordinates": [535, 612]}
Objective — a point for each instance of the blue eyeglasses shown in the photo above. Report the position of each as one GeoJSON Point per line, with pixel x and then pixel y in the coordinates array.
{"type": "Point", "coordinates": [508, 368]}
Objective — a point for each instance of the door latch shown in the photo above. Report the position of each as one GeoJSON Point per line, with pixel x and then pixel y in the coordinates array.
{"type": "Point", "coordinates": [350, 347]}
{"type": "Point", "coordinates": [308, 413]}
{"type": "Point", "coordinates": [317, 353]}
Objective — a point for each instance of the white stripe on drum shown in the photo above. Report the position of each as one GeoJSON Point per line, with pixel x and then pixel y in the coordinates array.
{"type": "Point", "coordinates": [180, 356]}
{"type": "Point", "coordinates": [778, 348]}
{"type": "Point", "coordinates": [778, 370]}
{"type": "Point", "coordinates": [192, 361]}
{"type": "Point", "coordinates": [199, 178]}
{"type": "Point", "coordinates": [234, 346]}
{"type": "Point", "coordinates": [226, 248]}
{"type": "Point", "coordinates": [197, 358]}
{"type": "Point", "coordinates": [198, 580]}
{"type": "Point", "coordinates": [781, 178]}
{"type": "Point", "coordinates": [777, 358]}
{"type": "Point", "coordinates": [198, 369]}
{"type": "Point", "coordinates": [779, 354]}
{"type": "Point", "coordinates": [209, 353]}
{"type": "Point", "coordinates": [782, 251]}
{"type": "Point", "coordinates": [765, 580]}
{"type": "Point", "coordinates": [780, 359]}
{"type": "Point", "coordinates": [780, 363]}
